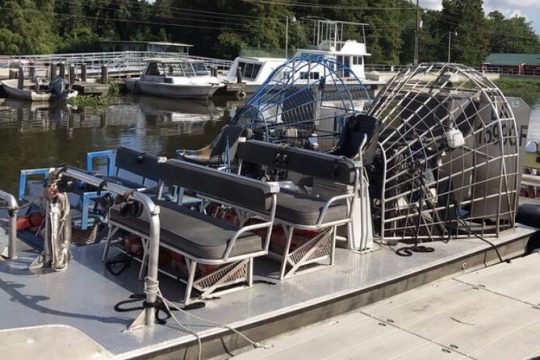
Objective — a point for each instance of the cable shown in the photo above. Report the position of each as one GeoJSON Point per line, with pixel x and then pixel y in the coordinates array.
{"type": "Point", "coordinates": [460, 217]}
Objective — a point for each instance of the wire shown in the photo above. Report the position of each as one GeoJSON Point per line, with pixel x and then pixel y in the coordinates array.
{"type": "Point", "coordinates": [153, 284]}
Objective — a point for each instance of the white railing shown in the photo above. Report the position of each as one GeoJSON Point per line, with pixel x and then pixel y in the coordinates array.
{"type": "Point", "coordinates": [125, 62]}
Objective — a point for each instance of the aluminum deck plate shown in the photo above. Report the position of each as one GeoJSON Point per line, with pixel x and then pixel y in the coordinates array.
{"type": "Point", "coordinates": [490, 314]}
{"type": "Point", "coordinates": [84, 296]}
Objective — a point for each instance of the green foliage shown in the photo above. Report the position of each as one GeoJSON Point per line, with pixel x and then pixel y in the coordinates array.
{"type": "Point", "coordinates": [82, 102]}
{"type": "Point", "coordinates": [514, 35]}
{"type": "Point", "coordinates": [26, 27]}
{"type": "Point", "coordinates": [229, 44]}
{"type": "Point", "coordinates": [226, 28]}
{"type": "Point", "coordinates": [525, 86]}
{"type": "Point", "coordinates": [466, 31]}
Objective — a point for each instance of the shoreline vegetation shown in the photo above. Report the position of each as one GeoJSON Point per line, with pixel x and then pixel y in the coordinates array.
{"type": "Point", "coordinates": [89, 101]}
{"type": "Point", "coordinates": [527, 89]}
{"type": "Point", "coordinates": [224, 29]}
{"type": "Point", "coordinates": [512, 85]}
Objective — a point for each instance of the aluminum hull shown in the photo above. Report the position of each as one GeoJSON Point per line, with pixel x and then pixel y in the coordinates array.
{"type": "Point", "coordinates": [177, 91]}
{"type": "Point", "coordinates": [83, 297]}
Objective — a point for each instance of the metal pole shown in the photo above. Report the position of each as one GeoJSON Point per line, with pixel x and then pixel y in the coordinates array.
{"type": "Point", "coordinates": [449, 44]}
{"type": "Point", "coordinates": [148, 318]}
{"type": "Point", "coordinates": [287, 37]}
{"type": "Point", "coordinates": [415, 61]}
{"type": "Point", "coordinates": [12, 209]}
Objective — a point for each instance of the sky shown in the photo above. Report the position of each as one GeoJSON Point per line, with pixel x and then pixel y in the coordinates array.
{"type": "Point", "coordinates": [530, 9]}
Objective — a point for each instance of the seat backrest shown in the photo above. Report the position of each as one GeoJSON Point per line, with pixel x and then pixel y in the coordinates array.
{"type": "Point", "coordinates": [231, 188]}
{"type": "Point", "coordinates": [356, 127]}
{"type": "Point", "coordinates": [138, 163]}
{"type": "Point", "coordinates": [228, 136]}
{"type": "Point", "coordinates": [303, 161]}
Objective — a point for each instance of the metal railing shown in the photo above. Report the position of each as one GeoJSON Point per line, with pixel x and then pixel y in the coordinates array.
{"type": "Point", "coordinates": [124, 62]}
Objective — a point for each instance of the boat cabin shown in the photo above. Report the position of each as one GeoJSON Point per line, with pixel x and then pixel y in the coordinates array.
{"type": "Point", "coordinates": [328, 39]}
{"type": "Point", "coordinates": [175, 68]}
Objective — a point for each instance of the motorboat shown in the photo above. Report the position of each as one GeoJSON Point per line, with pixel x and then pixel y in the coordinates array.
{"type": "Point", "coordinates": [39, 90]}
{"type": "Point", "coordinates": [180, 78]}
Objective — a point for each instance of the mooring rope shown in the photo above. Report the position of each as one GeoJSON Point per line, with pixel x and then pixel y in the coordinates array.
{"type": "Point", "coordinates": [152, 287]}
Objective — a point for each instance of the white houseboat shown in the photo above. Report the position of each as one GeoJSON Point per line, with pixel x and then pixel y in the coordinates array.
{"type": "Point", "coordinates": [327, 40]}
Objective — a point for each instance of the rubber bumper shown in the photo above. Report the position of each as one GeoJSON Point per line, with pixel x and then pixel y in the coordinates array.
{"type": "Point", "coordinates": [529, 214]}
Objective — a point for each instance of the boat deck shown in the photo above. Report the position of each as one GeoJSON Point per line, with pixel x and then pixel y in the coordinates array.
{"type": "Point", "coordinates": [84, 296]}
{"type": "Point", "coordinates": [491, 314]}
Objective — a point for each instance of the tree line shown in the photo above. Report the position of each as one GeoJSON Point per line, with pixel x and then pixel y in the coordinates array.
{"type": "Point", "coordinates": [227, 28]}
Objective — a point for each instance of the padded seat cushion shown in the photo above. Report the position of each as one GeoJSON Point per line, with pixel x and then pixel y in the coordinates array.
{"type": "Point", "coordinates": [194, 233]}
{"type": "Point", "coordinates": [305, 209]}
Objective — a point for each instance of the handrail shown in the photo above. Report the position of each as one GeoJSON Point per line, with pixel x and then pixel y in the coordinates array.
{"type": "Point", "coordinates": [13, 206]}
{"type": "Point", "coordinates": [152, 209]}
{"type": "Point", "coordinates": [124, 61]}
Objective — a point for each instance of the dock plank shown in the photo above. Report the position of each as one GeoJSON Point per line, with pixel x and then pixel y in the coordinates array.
{"type": "Point", "coordinates": [448, 319]}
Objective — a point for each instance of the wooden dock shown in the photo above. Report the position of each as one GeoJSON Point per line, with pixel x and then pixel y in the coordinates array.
{"type": "Point", "coordinates": [491, 313]}
{"type": "Point", "coordinates": [91, 88]}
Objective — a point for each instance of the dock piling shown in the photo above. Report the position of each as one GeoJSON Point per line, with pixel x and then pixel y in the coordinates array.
{"type": "Point", "coordinates": [62, 70]}
{"type": "Point", "coordinates": [20, 84]}
{"type": "Point", "coordinates": [104, 74]}
{"type": "Point", "coordinates": [83, 72]}
{"type": "Point", "coordinates": [52, 73]}
{"type": "Point", "coordinates": [71, 74]}
{"type": "Point", "coordinates": [32, 70]}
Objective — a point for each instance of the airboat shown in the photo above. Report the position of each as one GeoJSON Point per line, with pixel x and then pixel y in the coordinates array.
{"type": "Point", "coordinates": [310, 204]}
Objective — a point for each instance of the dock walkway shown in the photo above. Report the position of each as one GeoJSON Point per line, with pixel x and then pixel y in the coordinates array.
{"type": "Point", "coordinates": [492, 313]}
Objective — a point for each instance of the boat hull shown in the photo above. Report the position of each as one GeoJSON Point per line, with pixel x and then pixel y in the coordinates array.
{"type": "Point", "coordinates": [177, 91]}
{"type": "Point", "coordinates": [10, 87]}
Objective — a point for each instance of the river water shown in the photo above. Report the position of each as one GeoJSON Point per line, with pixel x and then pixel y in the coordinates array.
{"type": "Point", "coordinates": [39, 135]}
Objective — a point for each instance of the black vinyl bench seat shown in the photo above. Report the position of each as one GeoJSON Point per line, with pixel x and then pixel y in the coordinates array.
{"type": "Point", "coordinates": [301, 210]}
{"type": "Point", "coordinates": [201, 238]}
{"type": "Point", "coordinates": [140, 164]}
{"type": "Point", "coordinates": [194, 233]}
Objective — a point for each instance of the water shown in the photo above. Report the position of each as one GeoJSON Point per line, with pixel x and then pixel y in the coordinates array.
{"type": "Point", "coordinates": [41, 135]}
{"type": "Point", "coordinates": [38, 135]}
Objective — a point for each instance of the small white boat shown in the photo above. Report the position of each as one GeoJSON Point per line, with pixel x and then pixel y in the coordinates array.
{"type": "Point", "coordinates": [32, 91]}
{"type": "Point", "coordinates": [175, 78]}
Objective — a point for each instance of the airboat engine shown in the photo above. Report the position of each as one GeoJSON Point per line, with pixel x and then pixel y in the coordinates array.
{"type": "Point", "coordinates": [448, 161]}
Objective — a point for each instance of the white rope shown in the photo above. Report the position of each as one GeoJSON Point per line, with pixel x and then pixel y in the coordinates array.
{"type": "Point", "coordinates": [152, 286]}
{"type": "Point", "coordinates": [257, 345]}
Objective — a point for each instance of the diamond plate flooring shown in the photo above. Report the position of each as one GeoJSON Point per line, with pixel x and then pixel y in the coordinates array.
{"type": "Point", "coordinates": [84, 296]}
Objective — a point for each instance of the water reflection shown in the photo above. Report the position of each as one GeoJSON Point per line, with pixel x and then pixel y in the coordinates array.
{"type": "Point", "coordinates": [41, 134]}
